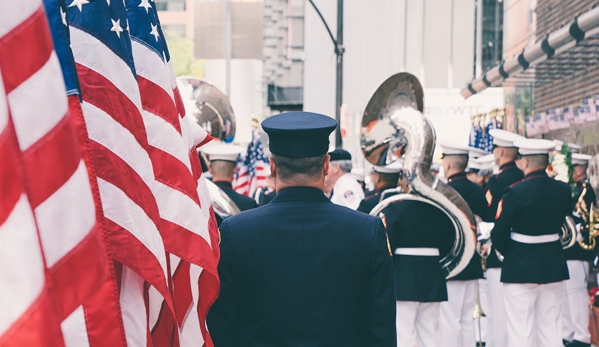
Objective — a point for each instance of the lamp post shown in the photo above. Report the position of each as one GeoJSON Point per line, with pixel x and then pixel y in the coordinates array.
{"type": "Point", "coordinates": [339, 50]}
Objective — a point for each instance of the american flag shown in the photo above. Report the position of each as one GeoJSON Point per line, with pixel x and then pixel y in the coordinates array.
{"type": "Point", "coordinates": [73, 284]}
{"type": "Point", "coordinates": [51, 247]}
{"type": "Point", "coordinates": [251, 168]}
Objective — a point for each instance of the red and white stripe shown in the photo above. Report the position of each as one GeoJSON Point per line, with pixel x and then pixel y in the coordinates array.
{"type": "Point", "coordinates": [118, 138]}
{"type": "Point", "coordinates": [184, 208]}
{"type": "Point", "coordinates": [50, 242]}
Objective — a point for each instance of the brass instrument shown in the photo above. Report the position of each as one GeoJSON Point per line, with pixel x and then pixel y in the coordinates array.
{"type": "Point", "coordinates": [210, 109]}
{"type": "Point", "coordinates": [590, 217]}
{"type": "Point", "coordinates": [394, 127]}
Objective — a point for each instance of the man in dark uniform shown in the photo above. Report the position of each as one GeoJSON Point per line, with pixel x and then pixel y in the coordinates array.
{"type": "Point", "coordinates": [419, 235]}
{"type": "Point", "coordinates": [383, 177]}
{"type": "Point", "coordinates": [455, 321]}
{"type": "Point", "coordinates": [505, 154]}
{"type": "Point", "coordinates": [223, 162]}
{"type": "Point", "coordinates": [302, 271]}
{"type": "Point", "coordinates": [527, 225]}
{"type": "Point", "coordinates": [575, 311]}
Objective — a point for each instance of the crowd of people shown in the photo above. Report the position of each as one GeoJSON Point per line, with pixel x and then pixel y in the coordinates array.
{"type": "Point", "coordinates": [305, 269]}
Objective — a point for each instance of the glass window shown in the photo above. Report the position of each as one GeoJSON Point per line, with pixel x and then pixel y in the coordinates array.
{"type": "Point", "coordinates": [171, 5]}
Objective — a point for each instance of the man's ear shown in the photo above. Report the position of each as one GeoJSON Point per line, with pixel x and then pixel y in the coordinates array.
{"type": "Point", "coordinates": [273, 168]}
{"type": "Point", "coordinates": [327, 163]}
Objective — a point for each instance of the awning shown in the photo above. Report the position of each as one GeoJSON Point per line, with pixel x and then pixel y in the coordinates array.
{"type": "Point", "coordinates": [563, 39]}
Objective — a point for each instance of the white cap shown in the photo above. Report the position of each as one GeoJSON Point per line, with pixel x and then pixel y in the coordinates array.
{"type": "Point", "coordinates": [534, 146]}
{"type": "Point", "coordinates": [476, 152]}
{"type": "Point", "coordinates": [221, 151]}
{"type": "Point", "coordinates": [580, 159]}
{"type": "Point", "coordinates": [452, 149]}
{"type": "Point", "coordinates": [473, 164]}
{"type": "Point", "coordinates": [504, 138]}
{"type": "Point", "coordinates": [574, 148]}
{"type": "Point", "coordinates": [486, 162]}
{"type": "Point", "coordinates": [392, 168]}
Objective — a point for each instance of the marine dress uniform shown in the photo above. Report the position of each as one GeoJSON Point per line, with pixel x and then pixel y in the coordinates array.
{"type": "Point", "coordinates": [575, 307]}
{"type": "Point", "coordinates": [527, 225]}
{"type": "Point", "coordinates": [508, 175]}
{"type": "Point", "coordinates": [302, 271]}
{"type": "Point", "coordinates": [419, 234]}
{"type": "Point", "coordinates": [456, 325]}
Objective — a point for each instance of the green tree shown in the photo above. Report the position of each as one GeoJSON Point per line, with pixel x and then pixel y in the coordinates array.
{"type": "Point", "coordinates": [181, 50]}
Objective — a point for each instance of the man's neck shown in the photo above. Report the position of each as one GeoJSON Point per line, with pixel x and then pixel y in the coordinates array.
{"type": "Point", "coordinates": [505, 160]}
{"type": "Point", "coordinates": [314, 184]}
{"type": "Point", "coordinates": [580, 178]}
{"type": "Point", "coordinates": [222, 179]}
{"type": "Point", "coordinates": [450, 173]}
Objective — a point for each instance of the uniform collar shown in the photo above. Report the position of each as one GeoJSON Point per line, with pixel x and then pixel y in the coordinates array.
{"type": "Point", "coordinates": [507, 166]}
{"type": "Point", "coordinates": [223, 184]}
{"type": "Point", "coordinates": [300, 193]}
{"type": "Point", "coordinates": [458, 176]}
{"type": "Point", "coordinates": [536, 174]}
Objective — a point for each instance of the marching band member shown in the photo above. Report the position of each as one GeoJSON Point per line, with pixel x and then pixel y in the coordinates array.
{"type": "Point", "coordinates": [383, 177]}
{"type": "Point", "coordinates": [575, 312]}
{"type": "Point", "coordinates": [418, 274]}
{"type": "Point", "coordinates": [527, 224]}
{"type": "Point", "coordinates": [344, 188]}
{"type": "Point", "coordinates": [223, 163]}
{"type": "Point", "coordinates": [504, 154]}
{"type": "Point", "coordinates": [456, 322]}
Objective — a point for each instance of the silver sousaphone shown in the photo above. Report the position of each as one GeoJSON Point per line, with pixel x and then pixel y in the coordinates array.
{"type": "Point", "coordinates": [393, 127]}
{"type": "Point", "coordinates": [211, 110]}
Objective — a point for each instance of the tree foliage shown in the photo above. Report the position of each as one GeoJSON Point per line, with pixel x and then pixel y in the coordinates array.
{"type": "Point", "coordinates": [181, 51]}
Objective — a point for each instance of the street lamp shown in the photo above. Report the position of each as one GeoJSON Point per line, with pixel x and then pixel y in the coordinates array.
{"type": "Point", "coordinates": [339, 50]}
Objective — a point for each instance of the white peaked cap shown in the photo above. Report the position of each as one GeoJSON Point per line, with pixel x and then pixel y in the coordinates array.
{"type": "Point", "coordinates": [534, 146]}
{"type": "Point", "coordinates": [392, 168]}
{"type": "Point", "coordinates": [453, 149]}
{"type": "Point", "coordinates": [504, 138]}
{"type": "Point", "coordinates": [573, 147]}
{"type": "Point", "coordinates": [221, 151]}
{"type": "Point", "coordinates": [358, 173]}
{"type": "Point", "coordinates": [580, 159]}
{"type": "Point", "coordinates": [486, 162]}
{"type": "Point", "coordinates": [473, 164]}
{"type": "Point", "coordinates": [476, 152]}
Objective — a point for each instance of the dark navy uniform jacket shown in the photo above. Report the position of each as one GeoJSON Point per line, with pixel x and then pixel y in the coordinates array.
{"type": "Point", "coordinates": [534, 207]}
{"type": "Point", "coordinates": [243, 202]}
{"type": "Point", "coordinates": [496, 187]}
{"type": "Point", "coordinates": [415, 224]}
{"type": "Point", "coordinates": [302, 271]}
{"type": "Point", "coordinates": [371, 200]}
{"type": "Point", "coordinates": [475, 198]}
{"type": "Point", "coordinates": [576, 252]}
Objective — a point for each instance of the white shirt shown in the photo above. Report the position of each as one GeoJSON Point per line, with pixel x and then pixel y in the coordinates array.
{"type": "Point", "coordinates": [347, 192]}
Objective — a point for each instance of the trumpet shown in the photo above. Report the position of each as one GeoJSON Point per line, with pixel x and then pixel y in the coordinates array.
{"type": "Point", "coordinates": [590, 217]}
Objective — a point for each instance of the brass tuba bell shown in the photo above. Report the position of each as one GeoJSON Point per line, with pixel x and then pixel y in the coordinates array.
{"type": "Point", "coordinates": [590, 216]}
{"type": "Point", "coordinates": [211, 110]}
{"type": "Point", "coordinates": [394, 127]}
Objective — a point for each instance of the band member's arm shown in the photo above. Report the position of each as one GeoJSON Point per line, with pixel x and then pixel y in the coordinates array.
{"type": "Point", "coordinates": [223, 316]}
{"type": "Point", "coordinates": [492, 194]}
{"type": "Point", "coordinates": [380, 294]}
{"type": "Point", "coordinates": [500, 235]}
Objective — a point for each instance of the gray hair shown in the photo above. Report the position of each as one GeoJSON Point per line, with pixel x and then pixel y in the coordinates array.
{"type": "Point", "coordinates": [345, 165]}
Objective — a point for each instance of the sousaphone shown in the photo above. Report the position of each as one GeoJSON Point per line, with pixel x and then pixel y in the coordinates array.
{"type": "Point", "coordinates": [394, 127]}
{"type": "Point", "coordinates": [211, 110]}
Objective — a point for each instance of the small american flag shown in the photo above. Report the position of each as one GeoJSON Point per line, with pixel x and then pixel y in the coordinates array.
{"type": "Point", "coordinates": [251, 168]}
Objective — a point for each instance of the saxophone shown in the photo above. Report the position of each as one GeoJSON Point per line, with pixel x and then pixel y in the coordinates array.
{"type": "Point", "coordinates": [394, 127]}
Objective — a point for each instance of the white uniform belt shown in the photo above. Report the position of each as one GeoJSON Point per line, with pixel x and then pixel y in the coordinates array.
{"type": "Point", "coordinates": [429, 252]}
{"type": "Point", "coordinates": [534, 239]}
